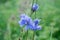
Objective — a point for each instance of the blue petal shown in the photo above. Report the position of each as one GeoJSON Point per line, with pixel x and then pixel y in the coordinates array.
{"type": "Point", "coordinates": [39, 28]}
{"type": "Point", "coordinates": [22, 16]}
{"type": "Point", "coordinates": [35, 27]}
{"type": "Point", "coordinates": [35, 6]}
{"type": "Point", "coordinates": [25, 17]}
{"type": "Point", "coordinates": [29, 27]}
{"type": "Point", "coordinates": [26, 28]}
{"type": "Point", "coordinates": [22, 22]}
{"type": "Point", "coordinates": [36, 21]}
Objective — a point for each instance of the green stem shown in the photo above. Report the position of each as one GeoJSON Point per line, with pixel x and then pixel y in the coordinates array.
{"type": "Point", "coordinates": [22, 32]}
{"type": "Point", "coordinates": [19, 38]}
{"type": "Point", "coordinates": [27, 35]}
{"type": "Point", "coordinates": [35, 14]}
{"type": "Point", "coordinates": [31, 8]}
{"type": "Point", "coordinates": [33, 35]}
{"type": "Point", "coordinates": [32, 2]}
{"type": "Point", "coordinates": [51, 31]}
{"type": "Point", "coordinates": [36, 1]}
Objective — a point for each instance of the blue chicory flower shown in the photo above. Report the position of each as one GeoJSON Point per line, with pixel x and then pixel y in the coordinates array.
{"type": "Point", "coordinates": [37, 27]}
{"type": "Point", "coordinates": [34, 25]}
{"type": "Point", "coordinates": [35, 7]}
{"type": "Point", "coordinates": [25, 20]}
{"type": "Point", "coordinates": [36, 21]}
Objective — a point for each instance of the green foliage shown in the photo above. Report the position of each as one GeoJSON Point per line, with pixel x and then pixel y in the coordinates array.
{"type": "Point", "coordinates": [49, 13]}
{"type": "Point", "coordinates": [3, 1]}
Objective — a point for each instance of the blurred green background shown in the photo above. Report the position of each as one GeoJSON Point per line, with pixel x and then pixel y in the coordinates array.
{"type": "Point", "coordinates": [49, 13]}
